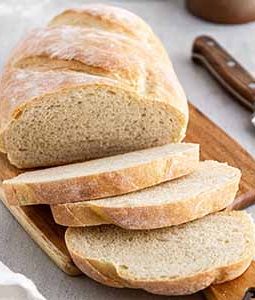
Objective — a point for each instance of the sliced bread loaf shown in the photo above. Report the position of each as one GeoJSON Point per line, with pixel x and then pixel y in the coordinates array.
{"type": "Point", "coordinates": [103, 177]}
{"type": "Point", "coordinates": [210, 188]}
{"type": "Point", "coordinates": [87, 88]}
{"type": "Point", "coordinates": [170, 261]}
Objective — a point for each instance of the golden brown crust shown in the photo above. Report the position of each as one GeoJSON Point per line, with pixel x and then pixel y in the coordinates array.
{"type": "Point", "coordinates": [112, 19]}
{"type": "Point", "coordinates": [105, 17]}
{"type": "Point", "coordinates": [145, 217]}
{"type": "Point", "coordinates": [92, 269]}
{"type": "Point", "coordinates": [114, 56]}
{"type": "Point", "coordinates": [103, 184]}
{"type": "Point", "coordinates": [180, 286]}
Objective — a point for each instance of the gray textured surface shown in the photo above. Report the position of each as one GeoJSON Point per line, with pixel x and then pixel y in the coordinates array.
{"type": "Point", "coordinates": [177, 29]}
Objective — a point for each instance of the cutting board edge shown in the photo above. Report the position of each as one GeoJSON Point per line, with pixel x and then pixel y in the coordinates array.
{"type": "Point", "coordinates": [64, 262]}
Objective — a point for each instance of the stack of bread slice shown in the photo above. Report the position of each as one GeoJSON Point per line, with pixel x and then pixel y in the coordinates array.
{"type": "Point", "coordinates": [166, 234]}
{"type": "Point", "coordinates": [93, 99]}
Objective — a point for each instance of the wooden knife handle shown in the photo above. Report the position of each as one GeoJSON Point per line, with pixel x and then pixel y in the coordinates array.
{"type": "Point", "coordinates": [250, 294]}
{"type": "Point", "coordinates": [230, 74]}
{"type": "Point", "coordinates": [245, 200]}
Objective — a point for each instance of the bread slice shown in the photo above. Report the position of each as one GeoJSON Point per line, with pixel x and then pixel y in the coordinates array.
{"type": "Point", "coordinates": [103, 177]}
{"type": "Point", "coordinates": [75, 93]}
{"type": "Point", "coordinates": [170, 261]}
{"type": "Point", "coordinates": [210, 188]}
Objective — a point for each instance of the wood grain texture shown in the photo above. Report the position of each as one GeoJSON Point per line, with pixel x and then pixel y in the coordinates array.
{"type": "Point", "coordinates": [215, 144]}
{"type": "Point", "coordinates": [229, 73]}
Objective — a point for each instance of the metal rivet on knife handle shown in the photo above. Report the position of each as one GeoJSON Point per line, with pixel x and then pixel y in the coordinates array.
{"type": "Point", "coordinates": [243, 201]}
{"type": "Point", "coordinates": [230, 74]}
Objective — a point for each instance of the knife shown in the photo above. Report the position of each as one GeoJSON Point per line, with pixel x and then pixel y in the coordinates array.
{"type": "Point", "coordinates": [243, 201]}
{"type": "Point", "coordinates": [226, 70]}
{"type": "Point", "coordinates": [250, 294]}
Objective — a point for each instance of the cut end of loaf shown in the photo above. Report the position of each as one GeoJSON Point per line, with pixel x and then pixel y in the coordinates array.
{"type": "Point", "coordinates": [93, 122]}
{"type": "Point", "coordinates": [214, 249]}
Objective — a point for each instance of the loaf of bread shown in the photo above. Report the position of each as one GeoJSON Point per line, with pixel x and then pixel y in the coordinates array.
{"type": "Point", "coordinates": [103, 177]}
{"type": "Point", "coordinates": [210, 188]}
{"type": "Point", "coordinates": [170, 261]}
{"type": "Point", "coordinates": [96, 82]}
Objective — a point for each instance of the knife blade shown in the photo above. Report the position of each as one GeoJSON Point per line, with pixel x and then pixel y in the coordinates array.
{"type": "Point", "coordinates": [226, 70]}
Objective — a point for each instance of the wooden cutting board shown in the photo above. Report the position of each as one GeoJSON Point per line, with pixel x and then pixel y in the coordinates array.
{"type": "Point", "coordinates": [215, 144]}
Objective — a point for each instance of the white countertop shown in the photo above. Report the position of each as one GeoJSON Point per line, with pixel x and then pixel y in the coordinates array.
{"type": "Point", "coordinates": [177, 29]}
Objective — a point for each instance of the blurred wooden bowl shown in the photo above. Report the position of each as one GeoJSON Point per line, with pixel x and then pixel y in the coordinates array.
{"type": "Point", "coordinates": [223, 11]}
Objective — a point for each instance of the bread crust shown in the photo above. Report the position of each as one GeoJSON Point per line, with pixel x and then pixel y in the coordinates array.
{"type": "Point", "coordinates": [146, 217]}
{"type": "Point", "coordinates": [113, 19]}
{"type": "Point", "coordinates": [98, 271]}
{"type": "Point", "coordinates": [113, 275]}
{"type": "Point", "coordinates": [103, 184]}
